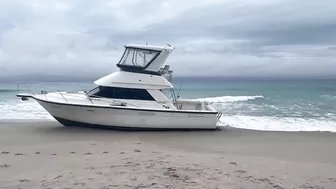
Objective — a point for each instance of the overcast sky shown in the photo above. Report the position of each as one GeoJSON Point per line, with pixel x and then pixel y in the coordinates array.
{"type": "Point", "coordinates": [229, 38]}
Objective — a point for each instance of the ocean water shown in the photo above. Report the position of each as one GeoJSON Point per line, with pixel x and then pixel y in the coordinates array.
{"type": "Point", "coordinates": [297, 105]}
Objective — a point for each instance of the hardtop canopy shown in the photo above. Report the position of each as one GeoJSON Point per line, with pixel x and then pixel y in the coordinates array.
{"type": "Point", "coordinates": [144, 58]}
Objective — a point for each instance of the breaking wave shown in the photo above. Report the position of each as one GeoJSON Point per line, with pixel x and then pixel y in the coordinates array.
{"type": "Point", "coordinates": [330, 97]}
{"type": "Point", "coordinates": [8, 90]}
{"type": "Point", "coordinates": [229, 98]}
{"type": "Point", "coordinates": [267, 123]}
{"type": "Point", "coordinates": [16, 110]}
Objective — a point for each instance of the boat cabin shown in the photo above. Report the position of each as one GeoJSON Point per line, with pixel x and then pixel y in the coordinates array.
{"type": "Point", "coordinates": [140, 79]}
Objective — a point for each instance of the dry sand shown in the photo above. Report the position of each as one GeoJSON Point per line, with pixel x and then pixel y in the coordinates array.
{"type": "Point", "coordinates": [47, 155]}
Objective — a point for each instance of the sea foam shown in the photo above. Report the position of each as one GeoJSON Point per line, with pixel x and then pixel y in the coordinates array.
{"type": "Point", "coordinates": [229, 98]}
{"type": "Point", "coordinates": [17, 109]}
{"type": "Point", "coordinates": [267, 123]}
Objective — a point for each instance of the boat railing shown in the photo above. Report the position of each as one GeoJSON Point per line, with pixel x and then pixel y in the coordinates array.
{"type": "Point", "coordinates": [101, 99]}
{"type": "Point", "coordinates": [61, 95]}
{"type": "Point", "coordinates": [33, 88]}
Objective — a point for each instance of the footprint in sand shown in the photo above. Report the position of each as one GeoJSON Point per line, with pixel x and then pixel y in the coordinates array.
{"type": "Point", "coordinates": [5, 152]}
{"type": "Point", "coordinates": [248, 177]}
{"type": "Point", "coordinates": [122, 153]}
{"type": "Point", "coordinates": [89, 168]}
{"type": "Point", "coordinates": [79, 183]}
{"type": "Point", "coordinates": [24, 180]}
{"type": "Point", "coordinates": [332, 179]}
{"type": "Point", "coordinates": [54, 154]}
{"type": "Point", "coordinates": [59, 176]}
{"type": "Point", "coordinates": [87, 153]}
{"type": "Point", "coordinates": [37, 152]}
{"type": "Point", "coordinates": [233, 163]}
{"type": "Point", "coordinates": [105, 152]}
{"type": "Point", "coordinates": [171, 169]}
{"type": "Point", "coordinates": [72, 152]}
{"type": "Point", "coordinates": [137, 151]}
{"type": "Point", "coordinates": [240, 171]}
{"type": "Point", "coordinates": [19, 154]}
{"type": "Point", "coordinates": [5, 166]}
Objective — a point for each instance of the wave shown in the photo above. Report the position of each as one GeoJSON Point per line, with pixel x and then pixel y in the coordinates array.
{"type": "Point", "coordinates": [8, 90]}
{"type": "Point", "coordinates": [330, 97]}
{"type": "Point", "coordinates": [229, 98]}
{"type": "Point", "coordinates": [17, 109]}
{"type": "Point", "coordinates": [267, 123]}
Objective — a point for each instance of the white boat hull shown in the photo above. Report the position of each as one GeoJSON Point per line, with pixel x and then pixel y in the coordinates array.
{"type": "Point", "coordinates": [128, 118]}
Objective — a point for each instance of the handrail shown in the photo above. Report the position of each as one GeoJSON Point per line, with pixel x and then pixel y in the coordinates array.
{"type": "Point", "coordinates": [63, 96]}
{"type": "Point", "coordinates": [68, 94]}
{"type": "Point", "coordinates": [108, 100]}
{"type": "Point", "coordinates": [89, 98]}
{"type": "Point", "coordinates": [45, 96]}
{"type": "Point", "coordinates": [103, 99]}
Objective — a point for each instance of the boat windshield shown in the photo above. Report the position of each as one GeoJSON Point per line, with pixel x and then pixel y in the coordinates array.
{"type": "Point", "coordinates": [138, 57]}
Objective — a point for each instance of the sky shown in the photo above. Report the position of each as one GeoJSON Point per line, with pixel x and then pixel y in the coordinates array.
{"type": "Point", "coordinates": [224, 38]}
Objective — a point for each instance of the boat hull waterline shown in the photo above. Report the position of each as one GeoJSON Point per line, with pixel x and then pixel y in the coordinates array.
{"type": "Point", "coordinates": [128, 118]}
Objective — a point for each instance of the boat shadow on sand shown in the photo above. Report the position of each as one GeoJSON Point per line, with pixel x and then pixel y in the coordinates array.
{"type": "Point", "coordinates": [61, 125]}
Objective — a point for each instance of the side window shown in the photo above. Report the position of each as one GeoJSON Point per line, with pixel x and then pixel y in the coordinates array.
{"type": "Point", "coordinates": [167, 93]}
{"type": "Point", "coordinates": [122, 93]}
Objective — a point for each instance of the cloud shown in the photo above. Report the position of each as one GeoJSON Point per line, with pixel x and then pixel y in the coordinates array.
{"type": "Point", "coordinates": [247, 38]}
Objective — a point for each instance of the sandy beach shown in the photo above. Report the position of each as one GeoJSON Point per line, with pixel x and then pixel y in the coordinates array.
{"type": "Point", "coordinates": [48, 155]}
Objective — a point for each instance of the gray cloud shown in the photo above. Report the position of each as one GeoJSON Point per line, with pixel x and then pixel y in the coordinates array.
{"type": "Point", "coordinates": [249, 38]}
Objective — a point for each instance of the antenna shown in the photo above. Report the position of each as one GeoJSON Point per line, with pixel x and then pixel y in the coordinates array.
{"type": "Point", "coordinates": [146, 43]}
{"type": "Point", "coordinates": [178, 93]}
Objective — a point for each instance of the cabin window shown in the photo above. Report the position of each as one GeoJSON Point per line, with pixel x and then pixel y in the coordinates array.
{"type": "Point", "coordinates": [121, 93]}
{"type": "Point", "coordinates": [138, 57]}
{"type": "Point", "coordinates": [167, 93]}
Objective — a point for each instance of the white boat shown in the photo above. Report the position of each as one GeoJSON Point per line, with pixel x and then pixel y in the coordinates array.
{"type": "Point", "coordinates": [135, 97]}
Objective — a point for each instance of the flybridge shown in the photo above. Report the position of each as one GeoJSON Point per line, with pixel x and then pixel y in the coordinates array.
{"type": "Point", "coordinates": [141, 68]}
{"type": "Point", "coordinates": [145, 59]}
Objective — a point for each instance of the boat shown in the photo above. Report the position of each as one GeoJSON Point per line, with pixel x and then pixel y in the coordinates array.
{"type": "Point", "coordinates": [139, 96]}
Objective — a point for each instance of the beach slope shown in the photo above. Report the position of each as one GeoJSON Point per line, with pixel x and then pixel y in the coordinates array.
{"type": "Point", "coordinates": [47, 155]}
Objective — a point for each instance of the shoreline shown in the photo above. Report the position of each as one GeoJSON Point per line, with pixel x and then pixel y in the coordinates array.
{"type": "Point", "coordinates": [48, 155]}
{"type": "Point", "coordinates": [222, 128]}
{"type": "Point", "coordinates": [26, 120]}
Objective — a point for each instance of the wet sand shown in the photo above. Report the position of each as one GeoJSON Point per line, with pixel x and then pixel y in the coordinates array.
{"type": "Point", "coordinates": [48, 155]}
